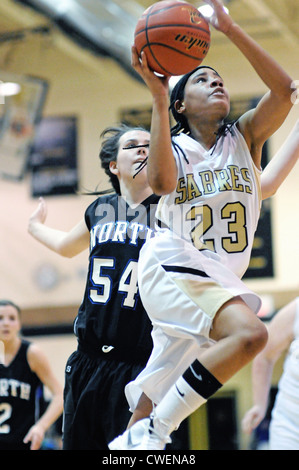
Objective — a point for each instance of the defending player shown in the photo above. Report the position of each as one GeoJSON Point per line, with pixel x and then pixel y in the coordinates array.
{"type": "Point", "coordinates": [113, 330]}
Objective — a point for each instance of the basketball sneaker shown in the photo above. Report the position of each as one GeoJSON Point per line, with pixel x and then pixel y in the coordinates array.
{"type": "Point", "coordinates": [146, 434]}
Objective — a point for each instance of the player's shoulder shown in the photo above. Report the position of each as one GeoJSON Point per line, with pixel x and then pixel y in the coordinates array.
{"type": "Point", "coordinates": [104, 199]}
{"type": "Point", "coordinates": [33, 351]}
{"type": "Point", "coordinates": [36, 357]}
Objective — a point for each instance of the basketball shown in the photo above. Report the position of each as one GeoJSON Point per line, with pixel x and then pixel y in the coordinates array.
{"type": "Point", "coordinates": [174, 36]}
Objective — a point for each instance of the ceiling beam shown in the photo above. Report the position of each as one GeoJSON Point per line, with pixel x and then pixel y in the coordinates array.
{"type": "Point", "coordinates": [75, 37]}
{"type": "Point", "coordinates": [262, 9]}
{"type": "Point", "coordinates": [28, 18]}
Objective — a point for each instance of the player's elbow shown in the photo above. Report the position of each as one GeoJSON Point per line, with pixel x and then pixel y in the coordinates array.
{"type": "Point", "coordinates": [66, 254]}
{"type": "Point", "coordinates": [161, 188]}
{"type": "Point", "coordinates": [162, 183]}
{"type": "Point", "coordinates": [64, 250]}
{"type": "Point", "coordinates": [288, 93]}
{"type": "Point", "coordinates": [268, 192]}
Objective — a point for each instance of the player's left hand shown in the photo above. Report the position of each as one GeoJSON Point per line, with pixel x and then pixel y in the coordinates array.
{"type": "Point", "coordinates": [40, 213]}
{"type": "Point", "coordinates": [253, 418]}
{"type": "Point", "coordinates": [35, 435]}
{"type": "Point", "coordinates": [220, 19]}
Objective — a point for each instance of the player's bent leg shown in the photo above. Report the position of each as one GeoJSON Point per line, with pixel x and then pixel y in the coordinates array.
{"type": "Point", "coordinates": [239, 334]}
{"type": "Point", "coordinates": [239, 337]}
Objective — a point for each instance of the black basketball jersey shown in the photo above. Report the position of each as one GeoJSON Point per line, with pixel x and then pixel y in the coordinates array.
{"type": "Point", "coordinates": [19, 393]}
{"type": "Point", "coordinates": [111, 318]}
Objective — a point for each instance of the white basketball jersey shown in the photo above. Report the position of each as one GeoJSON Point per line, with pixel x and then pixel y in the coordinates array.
{"type": "Point", "coordinates": [289, 381]}
{"type": "Point", "coordinates": [217, 202]}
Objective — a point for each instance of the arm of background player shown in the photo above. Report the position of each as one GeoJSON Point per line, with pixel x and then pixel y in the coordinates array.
{"type": "Point", "coordinates": [281, 164]}
{"type": "Point", "coordinates": [40, 365]}
{"type": "Point", "coordinates": [66, 244]}
{"type": "Point", "coordinates": [281, 333]}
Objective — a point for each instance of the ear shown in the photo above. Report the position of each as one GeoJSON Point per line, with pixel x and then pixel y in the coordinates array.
{"type": "Point", "coordinates": [113, 168]}
{"type": "Point", "coordinates": [179, 106]}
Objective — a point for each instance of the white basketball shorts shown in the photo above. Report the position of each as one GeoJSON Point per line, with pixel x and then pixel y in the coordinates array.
{"type": "Point", "coordinates": [181, 290]}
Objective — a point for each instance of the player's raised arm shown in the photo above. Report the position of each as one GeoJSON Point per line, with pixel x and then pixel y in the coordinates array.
{"type": "Point", "coordinates": [67, 244]}
{"type": "Point", "coordinates": [281, 164]}
{"type": "Point", "coordinates": [259, 124]}
{"type": "Point", "coordinates": [162, 171]}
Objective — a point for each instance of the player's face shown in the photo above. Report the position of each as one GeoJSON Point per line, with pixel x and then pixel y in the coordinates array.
{"type": "Point", "coordinates": [133, 150]}
{"type": "Point", "coordinates": [9, 322]}
{"type": "Point", "coordinates": [205, 94]}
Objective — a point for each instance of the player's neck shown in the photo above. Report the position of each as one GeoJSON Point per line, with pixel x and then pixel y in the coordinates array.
{"type": "Point", "coordinates": [135, 196]}
{"type": "Point", "coordinates": [205, 133]}
{"type": "Point", "coordinates": [11, 348]}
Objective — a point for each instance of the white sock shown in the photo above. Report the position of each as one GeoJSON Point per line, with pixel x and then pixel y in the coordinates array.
{"type": "Point", "coordinates": [178, 403]}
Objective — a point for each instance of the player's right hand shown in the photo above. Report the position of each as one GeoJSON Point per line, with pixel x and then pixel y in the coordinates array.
{"type": "Point", "coordinates": [158, 85]}
{"type": "Point", "coordinates": [252, 419]}
{"type": "Point", "coordinates": [40, 214]}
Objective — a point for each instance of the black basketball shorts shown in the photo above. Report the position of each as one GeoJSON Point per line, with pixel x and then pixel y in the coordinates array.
{"type": "Point", "coordinates": [95, 406]}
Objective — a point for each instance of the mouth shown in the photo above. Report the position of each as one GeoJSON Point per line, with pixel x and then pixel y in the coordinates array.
{"type": "Point", "coordinates": [140, 161]}
{"type": "Point", "coordinates": [218, 92]}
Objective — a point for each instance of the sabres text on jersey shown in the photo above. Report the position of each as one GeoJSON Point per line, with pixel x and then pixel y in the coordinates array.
{"type": "Point", "coordinates": [231, 178]}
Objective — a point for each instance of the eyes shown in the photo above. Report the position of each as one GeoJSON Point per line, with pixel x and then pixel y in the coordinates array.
{"type": "Point", "coordinates": [11, 318]}
{"type": "Point", "coordinates": [200, 79]}
{"type": "Point", "coordinates": [134, 146]}
{"type": "Point", "coordinates": [203, 78]}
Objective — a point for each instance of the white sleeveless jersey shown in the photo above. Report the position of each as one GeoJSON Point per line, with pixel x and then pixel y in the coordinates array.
{"type": "Point", "coordinates": [217, 202]}
{"type": "Point", "coordinates": [289, 382]}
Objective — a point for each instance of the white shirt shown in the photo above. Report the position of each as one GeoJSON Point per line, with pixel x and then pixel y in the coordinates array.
{"type": "Point", "coordinates": [217, 201]}
{"type": "Point", "coordinates": [289, 382]}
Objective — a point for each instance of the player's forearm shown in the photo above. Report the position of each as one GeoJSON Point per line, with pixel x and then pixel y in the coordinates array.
{"type": "Point", "coordinates": [281, 164]}
{"type": "Point", "coordinates": [52, 412]}
{"type": "Point", "coordinates": [272, 74]}
{"type": "Point", "coordinates": [49, 237]}
{"type": "Point", "coordinates": [162, 171]}
{"type": "Point", "coordinates": [262, 370]}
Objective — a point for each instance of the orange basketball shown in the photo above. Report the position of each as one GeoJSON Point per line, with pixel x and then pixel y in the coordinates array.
{"type": "Point", "coordinates": [174, 36]}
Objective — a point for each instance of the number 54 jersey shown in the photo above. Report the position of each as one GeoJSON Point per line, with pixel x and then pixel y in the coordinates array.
{"type": "Point", "coordinates": [216, 204]}
{"type": "Point", "coordinates": [111, 318]}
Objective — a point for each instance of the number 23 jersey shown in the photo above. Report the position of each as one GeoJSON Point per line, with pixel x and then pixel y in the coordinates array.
{"type": "Point", "coordinates": [216, 204]}
{"type": "Point", "coordinates": [111, 317]}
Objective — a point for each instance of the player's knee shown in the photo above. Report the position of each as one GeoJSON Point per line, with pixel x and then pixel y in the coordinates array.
{"type": "Point", "coordinates": [254, 338]}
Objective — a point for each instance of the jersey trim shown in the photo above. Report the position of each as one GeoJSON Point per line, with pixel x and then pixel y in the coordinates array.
{"type": "Point", "coordinates": [185, 270]}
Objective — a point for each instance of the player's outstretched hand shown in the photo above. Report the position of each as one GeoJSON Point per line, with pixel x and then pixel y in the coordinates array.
{"type": "Point", "coordinates": [220, 19]}
{"type": "Point", "coordinates": [40, 213]}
